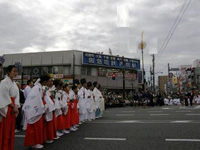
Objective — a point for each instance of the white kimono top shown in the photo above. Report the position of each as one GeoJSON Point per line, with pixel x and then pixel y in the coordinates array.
{"type": "Point", "coordinates": [97, 95]}
{"type": "Point", "coordinates": [82, 94]}
{"type": "Point", "coordinates": [8, 89]}
{"type": "Point", "coordinates": [33, 106]}
{"type": "Point", "coordinates": [27, 91]}
{"type": "Point", "coordinates": [50, 105]}
{"type": "Point", "coordinates": [92, 102]}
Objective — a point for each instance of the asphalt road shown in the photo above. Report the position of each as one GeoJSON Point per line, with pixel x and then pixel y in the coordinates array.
{"type": "Point", "coordinates": [130, 128]}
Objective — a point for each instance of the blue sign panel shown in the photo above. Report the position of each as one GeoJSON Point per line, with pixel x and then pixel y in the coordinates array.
{"type": "Point", "coordinates": [110, 61]}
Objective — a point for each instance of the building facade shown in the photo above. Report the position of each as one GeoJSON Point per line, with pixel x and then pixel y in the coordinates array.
{"type": "Point", "coordinates": [74, 64]}
{"type": "Point", "coordinates": [162, 83]}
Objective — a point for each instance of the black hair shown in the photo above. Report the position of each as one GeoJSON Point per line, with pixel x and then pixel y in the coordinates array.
{"type": "Point", "coordinates": [76, 82]}
{"type": "Point", "coordinates": [74, 87]}
{"type": "Point", "coordinates": [95, 84]}
{"type": "Point", "coordinates": [57, 82]}
{"type": "Point", "coordinates": [83, 81]}
{"type": "Point", "coordinates": [44, 78]}
{"type": "Point", "coordinates": [89, 84]}
{"type": "Point", "coordinates": [29, 81]}
{"type": "Point", "coordinates": [9, 68]}
{"type": "Point", "coordinates": [65, 85]}
{"type": "Point", "coordinates": [1, 64]}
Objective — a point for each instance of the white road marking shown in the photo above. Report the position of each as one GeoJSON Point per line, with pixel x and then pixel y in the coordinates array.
{"type": "Point", "coordinates": [181, 121]}
{"type": "Point", "coordinates": [197, 107]}
{"type": "Point", "coordinates": [105, 139]}
{"type": "Point", "coordinates": [159, 114]}
{"type": "Point", "coordinates": [120, 115]}
{"type": "Point", "coordinates": [192, 114]}
{"type": "Point", "coordinates": [145, 122]}
{"type": "Point", "coordinates": [22, 136]}
{"type": "Point", "coordinates": [166, 108]}
{"type": "Point", "coordinates": [128, 111]}
{"type": "Point", "coordinates": [130, 121]}
{"type": "Point", "coordinates": [182, 140]}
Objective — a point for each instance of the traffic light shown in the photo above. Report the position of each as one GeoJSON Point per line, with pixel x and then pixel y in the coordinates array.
{"type": "Point", "coordinates": [113, 76]}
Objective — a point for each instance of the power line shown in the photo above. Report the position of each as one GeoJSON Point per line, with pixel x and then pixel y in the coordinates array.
{"type": "Point", "coordinates": [174, 26]}
{"type": "Point", "coordinates": [171, 32]}
{"type": "Point", "coordinates": [167, 37]}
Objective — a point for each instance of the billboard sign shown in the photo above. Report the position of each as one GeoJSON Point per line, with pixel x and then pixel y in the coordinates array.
{"type": "Point", "coordinates": [110, 61]}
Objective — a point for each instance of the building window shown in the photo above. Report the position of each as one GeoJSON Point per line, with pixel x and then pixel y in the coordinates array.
{"type": "Point", "coordinates": [58, 70]}
{"type": "Point", "coordinates": [50, 70]}
{"type": "Point", "coordinates": [102, 72]}
{"type": "Point", "coordinates": [44, 70]}
{"type": "Point", "coordinates": [89, 69]}
{"type": "Point", "coordinates": [83, 70]}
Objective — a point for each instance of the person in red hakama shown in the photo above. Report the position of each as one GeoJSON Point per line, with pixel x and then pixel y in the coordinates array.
{"type": "Point", "coordinates": [49, 121]}
{"type": "Point", "coordinates": [60, 107]}
{"type": "Point", "coordinates": [9, 104]}
{"type": "Point", "coordinates": [74, 111]}
{"type": "Point", "coordinates": [34, 109]}
{"type": "Point", "coordinates": [68, 119]}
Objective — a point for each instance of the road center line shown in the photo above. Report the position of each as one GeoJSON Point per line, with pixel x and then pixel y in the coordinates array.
{"type": "Point", "coordinates": [181, 121]}
{"type": "Point", "coordinates": [159, 114]}
{"type": "Point", "coordinates": [105, 139]}
{"type": "Point", "coordinates": [182, 140]}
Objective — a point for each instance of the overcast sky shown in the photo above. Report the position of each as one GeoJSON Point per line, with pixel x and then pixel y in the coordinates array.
{"type": "Point", "coordinates": [92, 25]}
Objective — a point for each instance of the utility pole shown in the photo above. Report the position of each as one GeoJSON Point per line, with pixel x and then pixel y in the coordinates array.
{"type": "Point", "coordinates": [168, 84]}
{"type": "Point", "coordinates": [151, 79]}
{"type": "Point", "coordinates": [123, 72]}
{"type": "Point", "coordinates": [153, 73]}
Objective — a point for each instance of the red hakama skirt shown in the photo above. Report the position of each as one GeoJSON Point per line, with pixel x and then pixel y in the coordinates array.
{"type": "Point", "coordinates": [34, 133]}
{"type": "Point", "coordinates": [49, 129]}
{"type": "Point", "coordinates": [67, 120]}
{"type": "Point", "coordinates": [74, 113]}
{"type": "Point", "coordinates": [60, 122]}
{"type": "Point", "coordinates": [7, 129]}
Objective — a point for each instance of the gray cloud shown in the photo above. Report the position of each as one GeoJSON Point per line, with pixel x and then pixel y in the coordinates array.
{"type": "Point", "coordinates": [92, 26]}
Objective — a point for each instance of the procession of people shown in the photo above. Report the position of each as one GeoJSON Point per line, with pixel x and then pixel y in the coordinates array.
{"type": "Point", "coordinates": [46, 110]}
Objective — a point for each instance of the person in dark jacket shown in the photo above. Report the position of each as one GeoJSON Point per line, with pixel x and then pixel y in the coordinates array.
{"type": "Point", "coordinates": [20, 115]}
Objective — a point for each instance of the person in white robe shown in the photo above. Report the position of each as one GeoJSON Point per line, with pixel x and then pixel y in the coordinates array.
{"type": "Point", "coordinates": [9, 104]}
{"type": "Point", "coordinates": [61, 107]}
{"type": "Point", "coordinates": [8, 88]}
{"type": "Point", "coordinates": [91, 107]}
{"type": "Point", "coordinates": [82, 100]}
{"type": "Point", "coordinates": [34, 109]}
{"type": "Point", "coordinates": [102, 102]}
{"type": "Point", "coordinates": [98, 100]}
{"type": "Point", "coordinates": [77, 83]}
{"type": "Point", "coordinates": [28, 88]}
